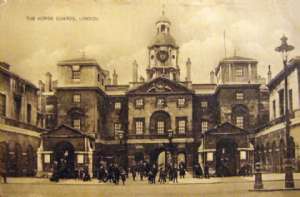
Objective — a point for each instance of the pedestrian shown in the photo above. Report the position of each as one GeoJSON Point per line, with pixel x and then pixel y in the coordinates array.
{"type": "Point", "coordinates": [3, 171]}
{"type": "Point", "coordinates": [116, 174]}
{"type": "Point", "coordinates": [55, 172]}
{"type": "Point", "coordinates": [123, 176]}
{"type": "Point", "coordinates": [133, 172]}
{"type": "Point", "coordinates": [175, 175]}
{"type": "Point", "coordinates": [181, 171]}
{"type": "Point", "coordinates": [206, 171]}
{"type": "Point", "coordinates": [86, 175]}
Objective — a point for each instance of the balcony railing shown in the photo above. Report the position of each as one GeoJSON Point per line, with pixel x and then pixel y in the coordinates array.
{"type": "Point", "coordinates": [17, 123]}
{"type": "Point", "coordinates": [157, 136]}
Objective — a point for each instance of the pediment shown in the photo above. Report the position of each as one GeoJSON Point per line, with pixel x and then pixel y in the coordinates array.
{"type": "Point", "coordinates": [64, 131]}
{"type": "Point", "coordinates": [160, 86]}
{"type": "Point", "coordinates": [227, 129]}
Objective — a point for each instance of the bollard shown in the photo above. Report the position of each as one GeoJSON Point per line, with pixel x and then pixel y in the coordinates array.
{"type": "Point", "coordinates": [258, 177]}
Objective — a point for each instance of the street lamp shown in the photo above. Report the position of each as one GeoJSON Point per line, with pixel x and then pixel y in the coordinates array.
{"type": "Point", "coordinates": [284, 49]}
{"type": "Point", "coordinates": [170, 137]}
{"type": "Point", "coordinates": [121, 138]}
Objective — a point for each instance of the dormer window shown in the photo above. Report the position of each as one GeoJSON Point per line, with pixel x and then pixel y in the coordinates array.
{"type": "Point", "coordinates": [117, 105]}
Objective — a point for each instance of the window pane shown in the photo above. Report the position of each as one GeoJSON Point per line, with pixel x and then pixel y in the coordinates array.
{"type": "Point", "coordinates": [181, 102]}
{"type": "Point", "coordinates": [204, 104]}
{"type": "Point", "coordinates": [240, 121]}
{"type": "Point", "coordinates": [181, 126]}
{"type": "Point", "coordinates": [139, 126]}
{"type": "Point", "coordinates": [75, 74]}
{"type": "Point", "coordinates": [76, 98]}
{"type": "Point", "coordinates": [239, 96]}
{"type": "Point", "coordinates": [76, 123]}
{"type": "Point", "coordinates": [160, 127]}
{"type": "Point", "coordinates": [117, 105]}
{"type": "Point", "coordinates": [204, 126]}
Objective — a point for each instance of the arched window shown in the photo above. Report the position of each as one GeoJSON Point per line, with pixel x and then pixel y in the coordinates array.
{"type": "Point", "coordinates": [160, 122]}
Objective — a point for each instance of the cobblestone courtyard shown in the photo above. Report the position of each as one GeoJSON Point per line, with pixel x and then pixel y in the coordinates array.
{"type": "Point", "coordinates": [234, 186]}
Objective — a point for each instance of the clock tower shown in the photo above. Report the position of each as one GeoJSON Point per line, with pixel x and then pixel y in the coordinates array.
{"type": "Point", "coordinates": [163, 53]}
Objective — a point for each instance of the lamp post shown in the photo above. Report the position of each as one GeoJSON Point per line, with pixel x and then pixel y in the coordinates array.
{"type": "Point", "coordinates": [121, 138]}
{"type": "Point", "coordinates": [170, 137]}
{"type": "Point", "coordinates": [284, 49]}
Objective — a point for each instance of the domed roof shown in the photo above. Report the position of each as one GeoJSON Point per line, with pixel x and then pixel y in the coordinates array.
{"type": "Point", "coordinates": [163, 19]}
{"type": "Point", "coordinates": [163, 39]}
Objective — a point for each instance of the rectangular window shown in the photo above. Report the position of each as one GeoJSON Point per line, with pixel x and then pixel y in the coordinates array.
{"type": "Point", "coordinates": [75, 75]}
{"type": "Point", "coordinates": [181, 126]}
{"type": "Point", "coordinates": [117, 105]}
{"type": "Point", "coordinates": [239, 72]}
{"type": "Point", "coordinates": [204, 104]}
{"type": "Point", "coordinates": [76, 123]}
{"type": "Point", "coordinates": [290, 100]}
{"type": "Point", "coordinates": [204, 126]}
{"type": "Point", "coordinates": [274, 108]}
{"type": "Point", "coordinates": [28, 113]}
{"type": "Point", "coordinates": [139, 103]}
{"type": "Point", "coordinates": [47, 158]}
{"type": "Point", "coordinates": [240, 121]}
{"type": "Point", "coordinates": [209, 156]}
{"type": "Point", "coordinates": [2, 104]}
{"type": "Point", "coordinates": [160, 125]}
{"type": "Point", "coordinates": [139, 125]}
{"type": "Point", "coordinates": [181, 102]}
{"type": "Point", "coordinates": [239, 96]}
{"type": "Point", "coordinates": [243, 155]}
{"type": "Point", "coordinates": [281, 102]}
{"type": "Point", "coordinates": [76, 98]}
{"type": "Point", "coordinates": [117, 128]}
{"type": "Point", "coordinates": [80, 159]}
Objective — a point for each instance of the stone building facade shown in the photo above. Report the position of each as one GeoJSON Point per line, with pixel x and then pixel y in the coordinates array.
{"type": "Point", "coordinates": [19, 132]}
{"type": "Point", "coordinates": [271, 139]}
{"type": "Point", "coordinates": [160, 118]}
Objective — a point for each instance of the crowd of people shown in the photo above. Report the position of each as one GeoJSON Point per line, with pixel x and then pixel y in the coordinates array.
{"type": "Point", "coordinates": [143, 170]}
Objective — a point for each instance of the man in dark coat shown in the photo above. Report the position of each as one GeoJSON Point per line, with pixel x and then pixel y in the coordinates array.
{"type": "Point", "coordinates": [206, 171]}
{"type": "Point", "coordinates": [3, 171]}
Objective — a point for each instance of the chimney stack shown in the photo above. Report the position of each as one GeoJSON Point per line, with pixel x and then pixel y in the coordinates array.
{"type": "Point", "coordinates": [41, 86]}
{"type": "Point", "coordinates": [115, 78]}
{"type": "Point", "coordinates": [48, 85]}
{"type": "Point", "coordinates": [212, 77]}
{"type": "Point", "coordinates": [188, 69]}
{"type": "Point", "coordinates": [269, 73]}
{"type": "Point", "coordinates": [135, 71]}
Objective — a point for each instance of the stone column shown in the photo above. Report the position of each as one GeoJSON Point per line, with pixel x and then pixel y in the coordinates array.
{"type": "Point", "coordinates": [90, 159]}
{"type": "Point", "coordinates": [249, 72]}
{"type": "Point", "coordinates": [40, 159]}
{"type": "Point", "coordinates": [229, 73]}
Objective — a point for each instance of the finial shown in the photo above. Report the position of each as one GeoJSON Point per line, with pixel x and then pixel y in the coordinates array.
{"type": "Point", "coordinates": [163, 10]}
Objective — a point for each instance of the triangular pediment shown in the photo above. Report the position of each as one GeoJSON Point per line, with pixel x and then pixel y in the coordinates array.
{"type": "Point", "coordinates": [65, 131]}
{"type": "Point", "coordinates": [160, 86]}
{"type": "Point", "coordinates": [227, 129]}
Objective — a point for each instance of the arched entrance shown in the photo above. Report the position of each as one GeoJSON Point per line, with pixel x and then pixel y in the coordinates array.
{"type": "Point", "coordinates": [226, 163]}
{"type": "Point", "coordinates": [64, 155]}
{"type": "Point", "coordinates": [161, 157]}
{"type": "Point", "coordinates": [31, 161]}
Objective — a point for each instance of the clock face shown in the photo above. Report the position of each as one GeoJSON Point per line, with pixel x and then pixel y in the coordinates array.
{"type": "Point", "coordinates": [162, 56]}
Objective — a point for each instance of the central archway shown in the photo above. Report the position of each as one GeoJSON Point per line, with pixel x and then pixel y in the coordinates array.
{"type": "Point", "coordinates": [64, 155]}
{"type": "Point", "coordinates": [226, 163]}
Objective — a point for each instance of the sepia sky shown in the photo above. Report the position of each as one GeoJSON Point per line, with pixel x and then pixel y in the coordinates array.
{"type": "Point", "coordinates": [125, 28]}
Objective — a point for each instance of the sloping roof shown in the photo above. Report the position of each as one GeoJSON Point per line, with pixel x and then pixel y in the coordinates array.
{"type": "Point", "coordinates": [292, 64]}
{"type": "Point", "coordinates": [148, 85]}
{"type": "Point", "coordinates": [232, 129]}
{"type": "Point", "coordinates": [4, 68]}
{"type": "Point", "coordinates": [76, 131]}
